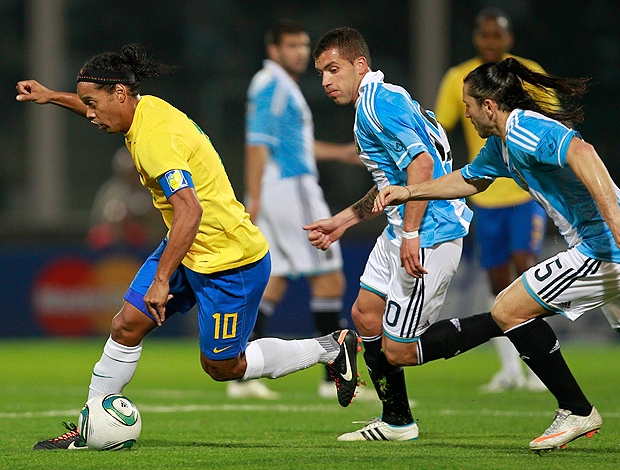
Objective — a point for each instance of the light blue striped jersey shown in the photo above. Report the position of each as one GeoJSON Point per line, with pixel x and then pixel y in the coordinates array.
{"type": "Point", "coordinates": [391, 129]}
{"type": "Point", "coordinates": [278, 117]}
{"type": "Point", "coordinates": [535, 157]}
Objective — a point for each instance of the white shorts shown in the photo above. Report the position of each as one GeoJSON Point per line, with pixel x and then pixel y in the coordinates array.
{"type": "Point", "coordinates": [286, 206]}
{"type": "Point", "coordinates": [412, 304]}
{"type": "Point", "coordinates": [570, 283]}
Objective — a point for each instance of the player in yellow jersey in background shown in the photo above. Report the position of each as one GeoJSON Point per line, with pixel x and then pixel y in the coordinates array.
{"type": "Point", "coordinates": [509, 226]}
{"type": "Point", "coordinates": [213, 256]}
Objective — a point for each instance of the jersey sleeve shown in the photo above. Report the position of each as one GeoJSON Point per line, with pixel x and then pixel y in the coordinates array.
{"type": "Point", "coordinates": [488, 164]}
{"type": "Point", "coordinates": [399, 134]}
{"type": "Point", "coordinates": [261, 117]}
{"type": "Point", "coordinates": [552, 147]}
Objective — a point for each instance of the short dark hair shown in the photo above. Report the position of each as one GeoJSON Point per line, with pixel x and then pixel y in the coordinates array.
{"type": "Point", "coordinates": [349, 42]}
{"type": "Point", "coordinates": [280, 28]}
{"type": "Point", "coordinates": [492, 13]}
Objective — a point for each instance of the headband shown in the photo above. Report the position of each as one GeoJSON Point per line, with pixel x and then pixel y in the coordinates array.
{"type": "Point", "coordinates": [106, 76]}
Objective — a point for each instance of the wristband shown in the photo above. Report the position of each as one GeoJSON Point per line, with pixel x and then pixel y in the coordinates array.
{"type": "Point", "coordinates": [411, 235]}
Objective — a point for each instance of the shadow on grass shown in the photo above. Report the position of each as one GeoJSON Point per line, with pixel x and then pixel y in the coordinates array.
{"type": "Point", "coordinates": [570, 450]}
{"type": "Point", "coordinates": [162, 443]}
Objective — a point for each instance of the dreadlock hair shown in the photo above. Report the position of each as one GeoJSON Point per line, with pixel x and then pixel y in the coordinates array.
{"type": "Point", "coordinates": [132, 58]}
{"type": "Point", "coordinates": [503, 83]}
{"type": "Point", "coordinates": [348, 41]}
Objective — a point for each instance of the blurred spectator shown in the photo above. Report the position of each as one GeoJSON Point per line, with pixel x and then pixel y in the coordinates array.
{"type": "Point", "coordinates": [123, 214]}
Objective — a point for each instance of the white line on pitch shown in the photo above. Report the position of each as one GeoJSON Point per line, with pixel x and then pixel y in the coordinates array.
{"type": "Point", "coordinates": [282, 409]}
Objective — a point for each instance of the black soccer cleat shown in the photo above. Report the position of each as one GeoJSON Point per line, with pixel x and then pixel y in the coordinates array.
{"type": "Point", "coordinates": [344, 368]}
{"type": "Point", "coordinates": [69, 440]}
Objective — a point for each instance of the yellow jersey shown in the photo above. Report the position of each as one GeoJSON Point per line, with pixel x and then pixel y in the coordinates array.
{"type": "Point", "coordinates": [162, 138]}
{"type": "Point", "coordinates": [449, 109]}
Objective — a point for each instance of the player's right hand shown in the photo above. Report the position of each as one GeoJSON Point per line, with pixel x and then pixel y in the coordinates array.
{"type": "Point", "coordinates": [31, 90]}
{"type": "Point", "coordinates": [324, 232]}
{"type": "Point", "coordinates": [391, 196]}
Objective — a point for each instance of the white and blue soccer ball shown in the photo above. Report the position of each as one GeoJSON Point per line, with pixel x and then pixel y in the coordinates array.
{"type": "Point", "coordinates": [110, 422]}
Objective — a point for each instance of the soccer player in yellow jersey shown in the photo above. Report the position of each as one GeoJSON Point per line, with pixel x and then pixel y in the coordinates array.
{"type": "Point", "coordinates": [212, 256]}
{"type": "Point", "coordinates": [509, 225]}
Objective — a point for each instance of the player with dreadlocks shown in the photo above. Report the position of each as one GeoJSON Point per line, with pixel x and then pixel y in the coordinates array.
{"type": "Point", "coordinates": [212, 256]}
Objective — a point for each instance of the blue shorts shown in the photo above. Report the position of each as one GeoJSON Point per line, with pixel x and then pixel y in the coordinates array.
{"type": "Point", "coordinates": [500, 232]}
{"type": "Point", "coordinates": [227, 301]}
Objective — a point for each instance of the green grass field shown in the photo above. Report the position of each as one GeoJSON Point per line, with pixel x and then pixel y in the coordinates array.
{"type": "Point", "coordinates": [188, 422]}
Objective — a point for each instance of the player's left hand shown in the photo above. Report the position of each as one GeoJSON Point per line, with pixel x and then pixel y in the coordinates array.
{"type": "Point", "coordinates": [156, 299]}
{"type": "Point", "coordinates": [410, 257]}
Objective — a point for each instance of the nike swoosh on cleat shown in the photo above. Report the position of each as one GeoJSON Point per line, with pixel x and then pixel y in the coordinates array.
{"type": "Point", "coordinates": [544, 438]}
{"type": "Point", "coordinates": [348, 375]}
{"type": "Point", "coordinates": [73, 446]}
{"type": "Point", "coordinates": [215, 350]}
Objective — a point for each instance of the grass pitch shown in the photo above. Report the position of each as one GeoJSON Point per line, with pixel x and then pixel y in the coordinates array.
{"type": "Point", "coordinates": [188, 422]}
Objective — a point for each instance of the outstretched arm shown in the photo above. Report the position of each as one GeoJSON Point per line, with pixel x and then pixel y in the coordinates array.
{"type": "Point", "coordinates": [589, 168]}
{"type": "Point", "coordinates": [345, 153]}
{"type": "Point", "coordinates": [450, 186]}
{"type": "Point", "coordinates": [31, 90]}
{"type": "Point", "coordinates": [324, 232]}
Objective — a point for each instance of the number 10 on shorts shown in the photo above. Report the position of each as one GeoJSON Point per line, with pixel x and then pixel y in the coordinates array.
{"type": "Point", "coordinates": [225, 325]}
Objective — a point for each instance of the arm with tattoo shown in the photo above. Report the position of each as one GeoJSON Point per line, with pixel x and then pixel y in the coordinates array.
{"type": "Point", "coordinates": [324, 232]}
{"type": "Point", "coordinates": [363, 207]}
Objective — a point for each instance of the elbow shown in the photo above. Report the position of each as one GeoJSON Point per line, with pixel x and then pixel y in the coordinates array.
{"type": "Point", "coordinates": [197, 214]}
{"type": "Point", "coordinates": [425, 166]}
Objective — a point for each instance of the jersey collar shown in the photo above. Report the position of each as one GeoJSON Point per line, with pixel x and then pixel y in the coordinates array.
{"type": "Point", "coordinates": [370, 77]}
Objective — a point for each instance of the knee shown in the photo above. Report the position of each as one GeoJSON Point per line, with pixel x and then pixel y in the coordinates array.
{"type": "Point", "coordinates": [220, 371]}
{"type": "Point", "coordinates": [402, 357]}
{"type": "Point", "coordinates": [356, 315]}
{"type": "Point", "coordinates": [366, 323]}
{"type": "Point", "coordinates": [127, 333]}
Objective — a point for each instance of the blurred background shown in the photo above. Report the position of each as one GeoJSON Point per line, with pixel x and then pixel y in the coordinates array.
{"type": "Point", "coordinates": [66, 258]}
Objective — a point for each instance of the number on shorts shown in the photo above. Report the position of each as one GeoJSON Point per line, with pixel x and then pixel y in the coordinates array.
{"type": "Point", "coordinates": [225, 327]}
{"type": "Point", "coordinates": [393, 309]}
{"type": "Point", "coordinates": [548, 266]}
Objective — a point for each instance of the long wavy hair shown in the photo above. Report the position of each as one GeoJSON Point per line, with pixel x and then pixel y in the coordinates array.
{"type": "Point", "coordinates": [503, 82]}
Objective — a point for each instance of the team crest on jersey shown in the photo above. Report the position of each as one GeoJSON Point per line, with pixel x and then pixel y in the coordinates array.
{"type": "Point", "coordinates": [176, 180]}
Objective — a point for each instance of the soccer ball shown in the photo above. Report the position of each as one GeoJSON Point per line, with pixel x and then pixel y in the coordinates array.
{"type": "Point", "coordinates": [109, 422]}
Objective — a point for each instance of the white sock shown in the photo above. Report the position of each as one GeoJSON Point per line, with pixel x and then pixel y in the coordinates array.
{"type": "Point", "coordinates": [115, 369]}
{"type": "Point", "coordinates": [273, 357]}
